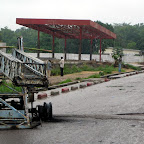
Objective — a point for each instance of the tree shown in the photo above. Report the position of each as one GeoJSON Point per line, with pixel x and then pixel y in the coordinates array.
{"type": "Point", "coordinates": [117, 52]}
{"type": "Point", "coordinates": [131, 45]}
{"type": "Point", "coordinates": [128, 35]}
{"type": "Point", "coordinates": [29, 36]}
{"type": "Point", "coordinates": [8, 36]}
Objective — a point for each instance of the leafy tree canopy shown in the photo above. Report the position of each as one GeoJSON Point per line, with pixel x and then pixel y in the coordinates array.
{"type": "Point", "coordinates": [128, 36]}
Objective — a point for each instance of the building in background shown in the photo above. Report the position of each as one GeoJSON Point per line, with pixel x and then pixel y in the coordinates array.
{"type": "Point", "coordinates": [1, 45]}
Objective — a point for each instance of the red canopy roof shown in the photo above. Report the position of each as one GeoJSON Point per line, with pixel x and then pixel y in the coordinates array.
{"type": "Point", "coordinates": [62, 28]}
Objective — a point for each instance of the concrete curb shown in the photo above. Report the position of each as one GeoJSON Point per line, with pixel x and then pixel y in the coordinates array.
{"type": "Point", "coordinates": [42, 95]}
{"type": "Point", "coordinates": [106, 79]}
{"type": "Point", "coordinates": [62, 85]}
{"type": "Point", "coordinates": [64, 90]}
{"type": "Point", "coordinates": [88, 82]}
{"type": "Point", "coordinates": [54, 93]}
{"type": "Point", "coordinates": [74, 88]}
{"type": "Point", "coordinates": [82, 85]}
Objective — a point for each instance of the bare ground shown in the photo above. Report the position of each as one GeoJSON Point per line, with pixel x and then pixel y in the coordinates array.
{"type": "Point", "coordinates": [57, 79]}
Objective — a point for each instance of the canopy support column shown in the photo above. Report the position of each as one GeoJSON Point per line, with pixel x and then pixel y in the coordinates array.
{"type": "Point", "coordinates": [65, 49]}
{"type": "Point", "coordinates": [38, 44]}
{"type": "Point", "coordinates": [91, 49]}
{"type": "Point", "coordinates": [113, 42]}
{"type": "Point", "coordinates": [100, 48]}
{"type": "Point", "coordinates": [53, 46]}
{"type": "Point", "coordinates": [80, 47]}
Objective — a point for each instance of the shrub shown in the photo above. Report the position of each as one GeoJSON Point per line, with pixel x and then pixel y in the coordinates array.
{"type": "Point", "coordinates": [87, 68]}
{"type": "Point", "coordinates": [76, 68]}
{"type": "Point", "coordinates": [101, 73]}
{"type": "Point", "coordinates": [55, 71]}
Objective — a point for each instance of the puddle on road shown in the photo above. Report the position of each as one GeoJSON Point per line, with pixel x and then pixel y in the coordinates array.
{"type": "Point", "coordinates": [121, 89]}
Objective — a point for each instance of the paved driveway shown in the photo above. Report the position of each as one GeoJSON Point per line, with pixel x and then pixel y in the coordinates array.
{"type": "Point", "coordinates": [89, 116]}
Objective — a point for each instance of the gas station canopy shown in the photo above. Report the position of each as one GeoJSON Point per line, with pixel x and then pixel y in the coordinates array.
{"type": "Point", "coordinates": [66, 28]}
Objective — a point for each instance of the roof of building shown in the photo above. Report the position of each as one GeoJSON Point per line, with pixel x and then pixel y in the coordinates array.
{"type": "Point", "coordinates": [66, 28]}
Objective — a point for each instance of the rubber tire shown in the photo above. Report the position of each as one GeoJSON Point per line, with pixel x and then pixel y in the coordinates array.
{"type": "Point", "coordinates": [48, 111]}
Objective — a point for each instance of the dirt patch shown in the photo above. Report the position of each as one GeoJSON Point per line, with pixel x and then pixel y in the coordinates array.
{"type": "Point", "coordinates": [57, 79]}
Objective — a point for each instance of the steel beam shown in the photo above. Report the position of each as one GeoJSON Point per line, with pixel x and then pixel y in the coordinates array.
{"type": "Point", "coordinates": [53, 46]}
{"type": "Point", "coordinates": [91, 49]}
{"type": "Point", "coordinates": [12, 108]}
{"type": "Point", "coordinates": [38, 44]}
{"type": "Point", "coordinates": [35, 65]}
{"type": "Point", "coordinates": [80, 46]}
{"type": "Point", "coordinates": [100, 48]}
{"type": "Point", "coordinates": [68, 23]}
{"type": "Point", "coordinates": [65, 49]}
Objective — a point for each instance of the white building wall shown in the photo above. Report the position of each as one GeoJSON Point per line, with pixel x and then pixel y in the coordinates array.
{"type": "Point", "coordinates": [126, 59]}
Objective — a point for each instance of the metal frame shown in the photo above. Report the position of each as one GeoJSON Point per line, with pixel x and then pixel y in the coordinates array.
{"type": "Point", "coordinates": [10, 117]}
{"type": "Point", "coordinates": [13, 67]}
{"type": "Point", "coordinates": [70, 29]}
{"type": "Point", "coordinates": [36, 65]}
{"type": "Point", "coordinates": [10, 66]}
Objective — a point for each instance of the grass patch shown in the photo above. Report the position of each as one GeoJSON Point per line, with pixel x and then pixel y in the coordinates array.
{"type": "Point", "coordinates": [55, 71]}
{"type": "Point", "coordinates": [87, 68]}
{"type": "Point", "coordinates": [78, 78]}
{"type": "Point", "coordinates": [72, 69]}
{"type": "Point", "coordinates": [107, 69]}
{"type": "Point", "coordinates": [122, 70]}
{"type": "Point", "coordinates": [132, 67]}
{"type": "Point", "coordinates": [69, 69]}
{"type": "Point", "coordinates": [4, 89]}
{"type": "Point", "coordinates": [66, 81]}
{"type": "Point", "coordinates": [94, 76]}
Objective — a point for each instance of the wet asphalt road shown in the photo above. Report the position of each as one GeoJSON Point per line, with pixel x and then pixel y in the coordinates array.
{"type": "Point", "coordinates": [89, 116]}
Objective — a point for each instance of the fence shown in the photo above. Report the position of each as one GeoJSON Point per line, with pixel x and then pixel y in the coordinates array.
{"type": "Point", "coordinates": [126, 58]}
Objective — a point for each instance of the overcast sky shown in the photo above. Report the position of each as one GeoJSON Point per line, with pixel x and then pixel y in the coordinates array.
{"type": "Point", "coordinates": [107, 11]}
